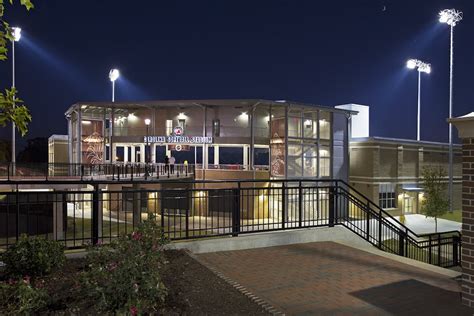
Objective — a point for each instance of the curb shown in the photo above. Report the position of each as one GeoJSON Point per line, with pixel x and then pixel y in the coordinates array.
{"type": "Point", "coordinates": [242, 289]}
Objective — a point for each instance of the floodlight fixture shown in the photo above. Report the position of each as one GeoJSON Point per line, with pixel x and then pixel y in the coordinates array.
{"type": "Point", "coordinates": [450, 16]}
{"type": "Point", "coordinates": [16, 33]}
{"type": "Point", "coordinates": [114, 74]}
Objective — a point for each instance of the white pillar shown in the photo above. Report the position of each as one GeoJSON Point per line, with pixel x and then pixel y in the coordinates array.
{"type": "Point", "coordinates": [142, 153]}
{"type": "Point", "coordinates": [246, 157]}
{"type": "Point", "coordinates": [133, 154]}
{"type": "Point", "coordinates": [216, 155]}
{"type": "Point", "coordinates": [113, 154]}
{"type": "Point", "coordinates": [125, 154]}
{"type": "Point", "coordinates": [153, 153]}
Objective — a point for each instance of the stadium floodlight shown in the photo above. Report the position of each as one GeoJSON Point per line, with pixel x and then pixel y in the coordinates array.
{"type": "Point", "coordinates": [451, 17]}
{"type": "Point", "coordinates": [421, 67]}
{"type": "Point", "coordinates": [113, 75]}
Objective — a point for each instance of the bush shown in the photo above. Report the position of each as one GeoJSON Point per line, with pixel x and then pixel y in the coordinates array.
{"type": "Point", "coordinates": [124, 276]}
{"type": "Point", "coordinates": [33, 256]}
{"type": "Point", "coordinates": [20, 297]}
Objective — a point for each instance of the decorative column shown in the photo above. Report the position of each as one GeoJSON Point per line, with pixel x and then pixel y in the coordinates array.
{"type": "Point", "coordinates": [153, 153]}
{"type": "Point", "coordinates": [465, 126]}
{"type": "Point", "coordinates": [142, 153]}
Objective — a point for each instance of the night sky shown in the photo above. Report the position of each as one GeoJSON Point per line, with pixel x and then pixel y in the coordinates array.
{"type": "Point", "coordinates": [321, 52]}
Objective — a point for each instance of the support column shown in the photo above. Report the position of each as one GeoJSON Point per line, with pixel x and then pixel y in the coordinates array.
{"type": "Point", "coordinates": [70, 139]}
{"type": "Point", "coordinates": [133, 154]}
{"type": "Point", "coordinates": [111, 135]}
{"type": "Point", "coordinates": [113, 153]}
{"type": "Point", "coordinates": [246, 157]}
{"type": "Point", "coordinates": [125, 154]}
{"type": "Point", "coordinates": [153, 153]}
{"type": "Point", "coordinates": [216, 155]}
{"type": "Point", "coordinates": [142, 153]}
{"type": "Point", "coordinates": [78, 135]}
{"type": "Point", "coordinates": [465, 126]}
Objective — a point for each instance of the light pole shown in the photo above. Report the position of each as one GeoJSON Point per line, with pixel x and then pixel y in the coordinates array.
{"type": "Point", "coordinates": [450, 17]}
{"type": "Point", "coordinates": [421, 67]}
{"type": "Point", "coordinates": [113, 75]}
{"type": "Point", "coordinates": [16, 33]}
{"type": "Point", "coordinates": [147, 156]}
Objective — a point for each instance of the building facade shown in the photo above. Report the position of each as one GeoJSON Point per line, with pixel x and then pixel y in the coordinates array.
{"type": "Point", "coordinates": [274, 139]}
{"type": "Point", "coordinates": [389, 171]}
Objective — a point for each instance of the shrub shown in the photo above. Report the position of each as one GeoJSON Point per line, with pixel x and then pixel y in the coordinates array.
{"type": "Point", "coordinates": [33, 256]}
{"type": "Point", "coordinates": [124, 276]}
{"type": "Point", "coordinates": [20, 297]}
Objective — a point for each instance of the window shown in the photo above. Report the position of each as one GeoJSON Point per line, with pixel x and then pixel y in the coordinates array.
{"type": "Point", "coordinates": [169, 127]}
{"type": "Point", "coordinates": [182, 123]}
{"type": "Point", "coordinates": [387, 196]}
{"type": "Point", "coordinates": [216, 128]}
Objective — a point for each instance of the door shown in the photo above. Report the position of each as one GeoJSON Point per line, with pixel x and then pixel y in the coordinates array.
{"type": "Point", "coordinates": [407, 205]}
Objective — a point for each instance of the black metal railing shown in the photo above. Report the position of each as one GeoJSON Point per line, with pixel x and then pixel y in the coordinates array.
{"type": "Point", "coordinates": [196, 209]}
{"type": "Point", "coordinates": [95, 172]}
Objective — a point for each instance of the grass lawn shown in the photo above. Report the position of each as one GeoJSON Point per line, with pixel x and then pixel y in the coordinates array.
{"type": "Point", "coordinates": [456, 216]}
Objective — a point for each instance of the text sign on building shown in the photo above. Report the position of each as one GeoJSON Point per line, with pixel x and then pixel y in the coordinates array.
{"type": "Point", "coordinates": [178, 139]}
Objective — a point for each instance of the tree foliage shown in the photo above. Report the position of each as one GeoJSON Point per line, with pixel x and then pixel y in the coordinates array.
{"type": "Point", "coordinates": [12, 108]}
{"type": "Point", "coordinates": [435, 203]}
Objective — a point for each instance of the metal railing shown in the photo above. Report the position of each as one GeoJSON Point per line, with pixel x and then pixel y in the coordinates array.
{"type": "Point", "coordinates": [196, 209]}
{"type": "Point", "coordinates": [93, 172]}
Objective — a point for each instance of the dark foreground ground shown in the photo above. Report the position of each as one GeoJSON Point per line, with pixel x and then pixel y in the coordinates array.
{"type": "Point", "coordinates": [192, 290]}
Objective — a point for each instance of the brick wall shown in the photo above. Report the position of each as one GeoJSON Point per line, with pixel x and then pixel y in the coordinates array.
{"type": "Point", "coordinates": [468, 222]}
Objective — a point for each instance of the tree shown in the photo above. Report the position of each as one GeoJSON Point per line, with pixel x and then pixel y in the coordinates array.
{"type": "Point", "coordinates": [436, 203]}
{"type": "Point", "coordinates": [35, 151]}
{"type": "Point", "coordinates": [12, 108]}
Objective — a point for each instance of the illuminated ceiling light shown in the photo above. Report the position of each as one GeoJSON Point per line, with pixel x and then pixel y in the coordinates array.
{"type": "Point", "coordinates": [182, 116]}
{"type": "Point", "coordinates": [16, 33]}
{"type": "Point", "coordinates": [450, 16]}
{"type": "Point", "coordinates": [244, 115]}
{"type": "Point", "coordinates": [307, 123]}
{"type": "Point", "coordinates": [147, 122]}
{"type": "Point", "coordinates": [86, 122]}
{"type": "Point", "coordinates": [114, 74]}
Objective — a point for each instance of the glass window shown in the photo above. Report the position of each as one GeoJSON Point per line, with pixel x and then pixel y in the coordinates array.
{"type": "Point", "coordinates": [387, 198]}
{"type": "Point", "coordinates": [325, 125]}
{"type": "Point", "coordinates": [231, 155]}
{"type": "Point", "coordinates": [294, 127]}
{"type": "Point", "coordinates": [261, 156]}
{"type": "Point", "coordinates": [294, 163]}
{"type": "Point", "coordinates": [182, 123]}
{"type": "Point", "coordinates": [310, 127]}
{"type": "Point", "coordinates": [310, 161]}
{"type": "Point", "coordinates": [324, 161]}
{"type": "Point", "coordinates": [169, 127]}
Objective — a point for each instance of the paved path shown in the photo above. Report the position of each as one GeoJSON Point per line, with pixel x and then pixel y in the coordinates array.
{"type": "Point", "coordinates": [421, 224]}
{"type": "Point", "coordinates": [329, 278]}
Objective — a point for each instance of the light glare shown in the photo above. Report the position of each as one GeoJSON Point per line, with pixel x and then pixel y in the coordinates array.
{"type": "Point", "coordinates": [114, 74]}
{"type": "Point", "coordinates": [147, 122]}
{"type": "Point", "coordinates": [16, 33]}
{"type": "Point", "coordinates": [411, 63]}
{"type": "Point", "coordinates": [450, 16]}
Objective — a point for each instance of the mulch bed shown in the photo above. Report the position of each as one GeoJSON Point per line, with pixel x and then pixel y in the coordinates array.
{"type": "Point", "coordinates": [192, 290]}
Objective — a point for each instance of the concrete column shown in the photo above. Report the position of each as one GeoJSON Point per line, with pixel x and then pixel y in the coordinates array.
{"type": "Point", "coordinates": [79, 135]}
{"type": "Point", "coordinates": [133, 154]}
{"type": "Point", "coordinates": [113, 153]}
{"type": "Point", "coordinates": [136, 205]}
{"type": "Point", "coordinates": [216, 155]}
{"type": "Point", "coordinates": [125, 154]}
{"type": "Point", "coordinates": [142, 153]}
{"type": "Point", "coordinates": [421, 159]}
{"type": "Point", "coordinates": [400, 162]}
{"type": "Point", "coordinates": [58, 217]}
{"type": "Point", "coordinates": [465, 126]}
{"type": "Point", "coordinates": [246, 157]}
{"type": "Point", "coordinates": [69, 135]}
{"type": "Point", "coordinates": [153, 153]}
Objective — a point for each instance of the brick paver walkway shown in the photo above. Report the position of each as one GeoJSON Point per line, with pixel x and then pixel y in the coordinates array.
{"type": "Point", "coordinates": [330, 278]}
